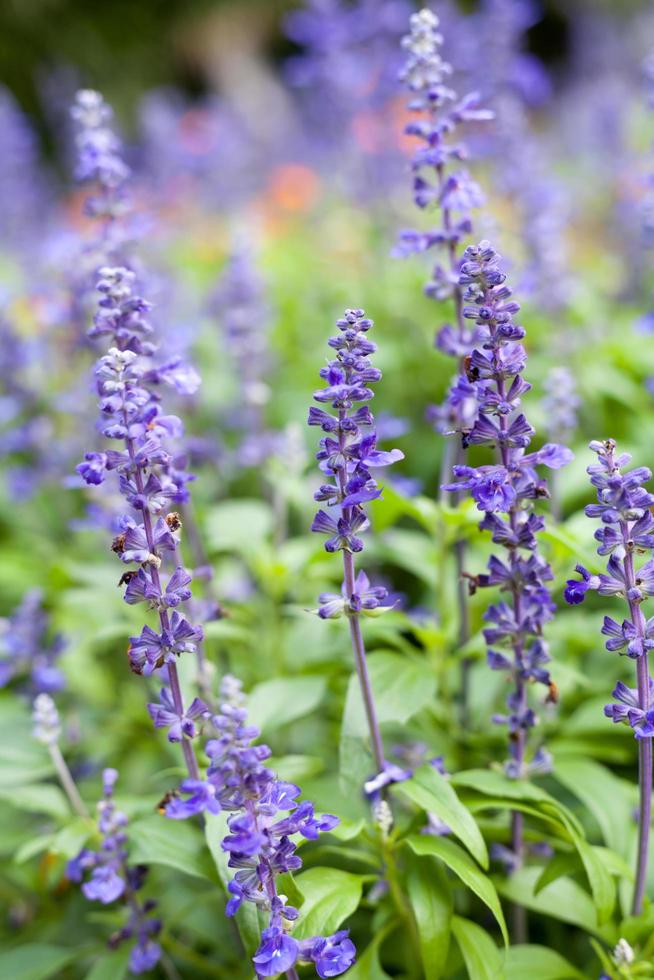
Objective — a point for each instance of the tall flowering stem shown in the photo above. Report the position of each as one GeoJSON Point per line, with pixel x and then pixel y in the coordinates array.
{"type": "Point", "coordinates": [347, 454]}
{"type": "Point", "coordinates": [152, 479]}
{"type": "Point", "coordinates": [505, 492]}
{"type": "Point", "coordinates": [440, 184]}
{"type": "Point", "coordinates": [624, 508]}
{"type": "Point", "coordinates": [439, 187]}
{"type": "Point", "coordinates": [264, 817]}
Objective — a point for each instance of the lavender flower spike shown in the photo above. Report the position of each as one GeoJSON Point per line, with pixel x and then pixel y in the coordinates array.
{"type": "Point", "coordinates": [449, 190]}
{"type": "Point", "coordinates": [264, 816]}
{"type": "Point", "coordinates": [505, 492]}
{"type": "Point", "coordinates": [627, 529]}
{"type": "Point", "coordinates": [347, 456]}
{"type": "Point", "coordinates": [112, 878]}
{"type": "Point", "coordinates": [152, 479]}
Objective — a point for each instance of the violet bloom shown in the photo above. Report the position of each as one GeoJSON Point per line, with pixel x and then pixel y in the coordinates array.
{"type": "Point", "coordinates": [627, 529]}
{"type": "Point", "coordinates": [265, 814]}
{"type": "Point", "coordinates": [107, 876]}
{"type": "Point", "coordinates": [100, 166]}
{"type": "Point", "coordinates": [151, 478]}
{"type": "Point", "coordinates": [27, 656]}
{"type": "Point", "coordinates": [441, 184]}
{"type": "Point", "coordinates": [505, 492]}
{"type": "Point", "coordinates": [347, 455]}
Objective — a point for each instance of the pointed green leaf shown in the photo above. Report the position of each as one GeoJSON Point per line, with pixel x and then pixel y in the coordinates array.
{"type": "Point", "coordinates": [156, 840]}
{"type": "Point", "coordinates": [285, 699]}
{"type": "Point", "coordinates": [538, 963]}
{"type": "Point", "coordinates": [482, 958]}
{"type": "Point", "coordinates": [433, 792]}
{"type": "Point", "coordinates": [431, 901]}
{"type": "Point", "coordinates": [563, 899]}
{"type": "Point", "coordinates": [35, 961]}
{"type": "Point", "coordinates": [330, 896]}
{"type": "Point", "coordinates": [458, 861]}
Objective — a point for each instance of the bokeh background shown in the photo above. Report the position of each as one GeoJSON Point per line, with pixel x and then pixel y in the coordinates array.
{"type": "Point", "coordinates": [269, 181]}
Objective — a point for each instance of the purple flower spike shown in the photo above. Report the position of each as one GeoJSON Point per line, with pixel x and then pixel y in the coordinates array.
{"type": "Point", "coordinates": [624, 508]}
{"type": "Point", "coordinates": [505, 492]}
{"type": "Point", "coordinates": [346, 455]}
{"type": "Point", "coordinates": [112, 878]}
{"type": "Point", "coordinates": [440, 114]}
{"type": "Point", "coordinates": [264, 817]}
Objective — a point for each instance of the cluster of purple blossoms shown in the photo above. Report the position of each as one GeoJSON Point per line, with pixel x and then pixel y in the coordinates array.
{"type": "Point", "coordinates": [505, 491]}
{"type": "Point", "coordinates": [347, 454]}
{"type": "Point", "coordinates": [265, 816]}
{"type": "Point", "coordinates": [627, 530]}
{"type": "Point", "coordinates": [452, 192]}
{"type": "Point", "coordinates": [152, 478]}
{"type": "Point", "coordinates": [624, 508]}
{"type": "Point", "coordinates": [27, 656]}
{"type": "Point", "coordinates": [99, 155]}
{"type": "Point", "coordinates": [100, 166]}
{"type": "Point", "coordinates": [111, 878]}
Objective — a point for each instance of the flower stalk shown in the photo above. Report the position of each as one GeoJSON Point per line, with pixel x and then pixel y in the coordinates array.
{"type": "Point", "coordinates": [348, 460]}
{"type": "Point", "coordinates": [453, 194]}
{"type": "Point", "coordinates": [505, 492]}
{"type": "Point", "coordinates": [624, 507]}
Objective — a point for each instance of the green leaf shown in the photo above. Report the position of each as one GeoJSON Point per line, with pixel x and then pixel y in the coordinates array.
{"type": "Point", "coordinates": [433, 792]}
{"type": "Point", "coordinates": [492, 783]}
{"type": "Point", "coordinates": [601, 883]}
{"type": "Point", "coordinates": [285, 699]}
{"type": "Point", "coordinates": [594, 784]}
{"type": "Point", "coordinates": [482, 958]}
{"type": "Point", "coordinates": [32, 847]}
{"type": "Point", "coordinates": [238, 525]}
{"type": "Point", "coordinates": [111, 966]}
{"type": "Point", "coordinates": [458, 861]}
{"type": "Point", "coordinates": [35, 961]}
{"type": "Point", "coordinates": [402, 686]}
{"type": "Point", "coordinates": [330, 896]}
{"type": "Point", "coordinates": [431, 901]}
{"type": "Point", "coordinates": [155, 840]}
{"type": "Point", "coordinates": [538, 963]}
{"type": "Point", "coordinates": [563, 899]}
{"type": "Point", "coordinates": [70, 839]}
{"type": "Point", "coordinates": [557, 867]}
{"type": "Point", "coordinates": [247, 919]}
{"type": "Point", "coordinates": [40, 798]}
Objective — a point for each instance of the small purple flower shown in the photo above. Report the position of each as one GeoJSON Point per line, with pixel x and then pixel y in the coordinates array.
{"type": "Point", "coordinates": [277, 953]}
{"type": "Point", "coordinates": [164, 715]}
{"type": "Point", "coordinates": [624, 508]}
